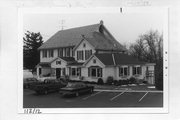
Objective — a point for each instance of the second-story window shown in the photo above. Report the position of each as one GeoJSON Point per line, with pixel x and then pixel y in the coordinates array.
{"type": "Point", "coordinates": [80, 55]}
{"type": "Point", "coordinates": [44, 53]}
{"type": "Point", "coordinates": [88, 53]}
{"type": "Point", "coordinates": [51, 53]}
{"type": "Point", "coordinates": [67, 52]}
{"type": "Point", "coordinates": [60, 52]}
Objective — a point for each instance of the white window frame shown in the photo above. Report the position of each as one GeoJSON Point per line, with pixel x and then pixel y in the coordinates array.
{"type": "Point", "coordinates": [96, 70]}
{"type": "Point", "coordinates": [123, 67]}
{"type": "Point", "coordinates": [136, 69]}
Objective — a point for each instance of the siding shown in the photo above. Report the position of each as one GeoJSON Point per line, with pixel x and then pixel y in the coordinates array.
{"type": "Point", "coordinates": [80, 47]}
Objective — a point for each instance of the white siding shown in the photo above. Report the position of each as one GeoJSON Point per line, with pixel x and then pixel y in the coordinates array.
{"type": "Point", "coordinates": [81, 47]}
{"type": "Point", "coordinates": [98, 63]}
{"type": "Point", "coordinates": [109, 71]}
{"type": "Point", "coordinates": [62, 65]}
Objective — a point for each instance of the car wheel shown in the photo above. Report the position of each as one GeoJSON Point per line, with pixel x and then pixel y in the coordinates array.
{"type": "Point", "coordinates": [77, 94]}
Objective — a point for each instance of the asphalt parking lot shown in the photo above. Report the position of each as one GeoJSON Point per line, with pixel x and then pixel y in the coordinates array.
{"type": "Point", "coordinates": [97, 99]}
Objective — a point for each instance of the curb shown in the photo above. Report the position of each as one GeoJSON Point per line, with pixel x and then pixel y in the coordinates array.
{"type": "Point", "coordinates": [126, 90]}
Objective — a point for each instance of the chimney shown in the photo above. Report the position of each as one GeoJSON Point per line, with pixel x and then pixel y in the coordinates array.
{"type": "Point", "coordinates": [83, 36]}
{"type": "Point", "coordinates": [101, 22]}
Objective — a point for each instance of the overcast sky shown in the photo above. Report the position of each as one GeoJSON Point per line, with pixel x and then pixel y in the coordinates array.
{"type": "Point", "coordinates": [124, 27]}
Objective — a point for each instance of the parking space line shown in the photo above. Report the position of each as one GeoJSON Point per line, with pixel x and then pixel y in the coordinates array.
{"type": "Point", "coordinates": [92, 95]}
{"type": "Point", "coordinates": [143, 97]}
{"type": "Point", "coordinates": [116, 96]}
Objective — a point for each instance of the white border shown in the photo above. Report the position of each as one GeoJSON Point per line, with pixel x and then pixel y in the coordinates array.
{"type": "Point", "coordinates": [22, 11]}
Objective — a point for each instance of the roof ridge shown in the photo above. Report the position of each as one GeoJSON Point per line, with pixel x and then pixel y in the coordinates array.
{"type": "Point", "coordinates": [79, 27]}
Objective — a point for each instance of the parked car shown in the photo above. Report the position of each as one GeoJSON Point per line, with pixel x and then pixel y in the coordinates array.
{"type": "Point", "coordinates": [48, 86]}
{"type": "Point", "coordinates": [76, 89]}
{"type": "Point", "coordinates": [28, 82]}
{"type": "Point", "coordinates": [46, 78]}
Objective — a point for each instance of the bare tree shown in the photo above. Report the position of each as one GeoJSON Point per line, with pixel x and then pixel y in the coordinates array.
{"type": "Point", "coordinates": [149, 47]}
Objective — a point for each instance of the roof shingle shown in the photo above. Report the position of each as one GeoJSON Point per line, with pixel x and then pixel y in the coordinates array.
{"type": "Point", "coordinates": [119, 59]}
{"type": "Point", "coordinates": [71, 37]}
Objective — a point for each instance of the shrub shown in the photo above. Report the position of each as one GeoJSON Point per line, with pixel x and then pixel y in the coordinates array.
{"type": "Point", "coordinates": [145, 82]}
{"type": "Point", "coordinates": [110, 80]}
{"type": "Point", "coordinates": [132, 80]}
{"type": "Point", "coordinates": [115, 82]}
{"type": "Point", "coordinates": [100, 81]}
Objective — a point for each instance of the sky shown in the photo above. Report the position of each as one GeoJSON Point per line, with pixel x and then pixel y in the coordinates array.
{"type": "Point", "coordinates": [125, 27]}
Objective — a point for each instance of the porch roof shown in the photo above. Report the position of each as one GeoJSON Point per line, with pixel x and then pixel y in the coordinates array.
{"type": "Point", "coordinates": [118, 59]}
{"type": "Point", "coordinates": [44, 64]}
{"type": "Point", "coordinates": [75, 63]}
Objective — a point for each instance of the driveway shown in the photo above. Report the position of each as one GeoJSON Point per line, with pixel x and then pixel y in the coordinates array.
{"type": "Point", "coordinates": [123, 98]}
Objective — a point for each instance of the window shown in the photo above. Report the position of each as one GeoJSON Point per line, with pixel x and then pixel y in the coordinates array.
{"type": "Point", "coordinates": [94, 61]}
{"type": "Point", "coordinates": [63, 71]}
{"type": "Point", "coordinates": [51, 53]}
{"type": "Point", "coordinates": [75, 71]}
{"type": "Point", "coordinates": [137, 70]}
{"type": "Point", "coordinates": [60, 52]}
{"type": "Point", "coordinates": [44, 53]}
{"type": "Point", "coordinates": [88, 53]}
{"type": "Point", "coordinates": [80, 55]}
{"type": "Point", "coordinates": [67, 52]}
{"type": "Point", "coordinates": [58, 62]}
{"type": "Point", "coordinates": [84, 45]}
{"type": "Point", "coordinates": [95, 72]}
{"type": "Point", "coordinates": [123, 71]}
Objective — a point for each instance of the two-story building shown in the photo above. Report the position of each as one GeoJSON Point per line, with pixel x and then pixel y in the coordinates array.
{"type": "Point", "coordinates": [88, 53]}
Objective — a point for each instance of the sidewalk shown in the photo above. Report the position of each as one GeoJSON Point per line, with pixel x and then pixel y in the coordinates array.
{"type": "Point", "coordinates": [133, 87]}
{"type": "Point", "coordinates": [129, 88]}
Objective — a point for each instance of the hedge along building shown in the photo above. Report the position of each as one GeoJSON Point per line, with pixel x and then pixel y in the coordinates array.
{"type": "Point", "coordinates": [88, 53]}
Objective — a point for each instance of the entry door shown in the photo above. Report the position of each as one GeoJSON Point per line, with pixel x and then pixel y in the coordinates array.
{"type": "Point", "coordinates": [58, 72]}
{"type": "Point", "coordinates": [39, 71]}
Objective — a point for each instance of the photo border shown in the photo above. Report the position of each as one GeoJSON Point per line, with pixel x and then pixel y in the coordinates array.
{"type": "Point", "coordinates": [164, 109]}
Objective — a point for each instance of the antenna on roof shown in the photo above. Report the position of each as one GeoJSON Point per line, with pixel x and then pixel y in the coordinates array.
{"type": "Point", "coordinates": [62, 24]}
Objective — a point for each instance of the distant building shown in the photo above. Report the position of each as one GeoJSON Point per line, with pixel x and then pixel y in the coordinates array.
{"type": "Point", "coordinates": [88, 53]}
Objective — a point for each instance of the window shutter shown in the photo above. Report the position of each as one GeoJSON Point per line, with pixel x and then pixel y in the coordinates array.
{"type": "Point", "coordinates": [69, 71]}
{"type": "Point", "coordinates": [128, 70]}
{"type": "Point", "coordinates": [140, 70]}
{"type": "Point", "coordinates": [134, 70]}
{"type": "Point", "coordinates": [88, 72]}
{"type": "Point", "coordinates": [82, 55]}
{"type": "Point", "coordinates": [101, 71]}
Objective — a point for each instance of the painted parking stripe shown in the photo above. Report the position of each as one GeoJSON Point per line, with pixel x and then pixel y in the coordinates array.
{"type": "Point", "coordinates": [92, 95]}
{"type": "Point", "coordinates": [143, 97]}
{"type": "Point", "coordinates": [116, 96]}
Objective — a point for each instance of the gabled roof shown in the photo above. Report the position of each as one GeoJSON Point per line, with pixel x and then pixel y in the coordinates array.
{"type": "Point", "coordinates": [121, 59]}
{"type": "Point", "coordinates": [92, 33]}
{"type": "Point", "coordinates": [118, 59]}
{"type": "Point", "coordinates": [66, 59]}
{"type": "Point", "coordinates": [69, 37]}
{"type": "Point", "coordinates": [76, 63]}
{"type": "Point", "coordinates": [106, 59]}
